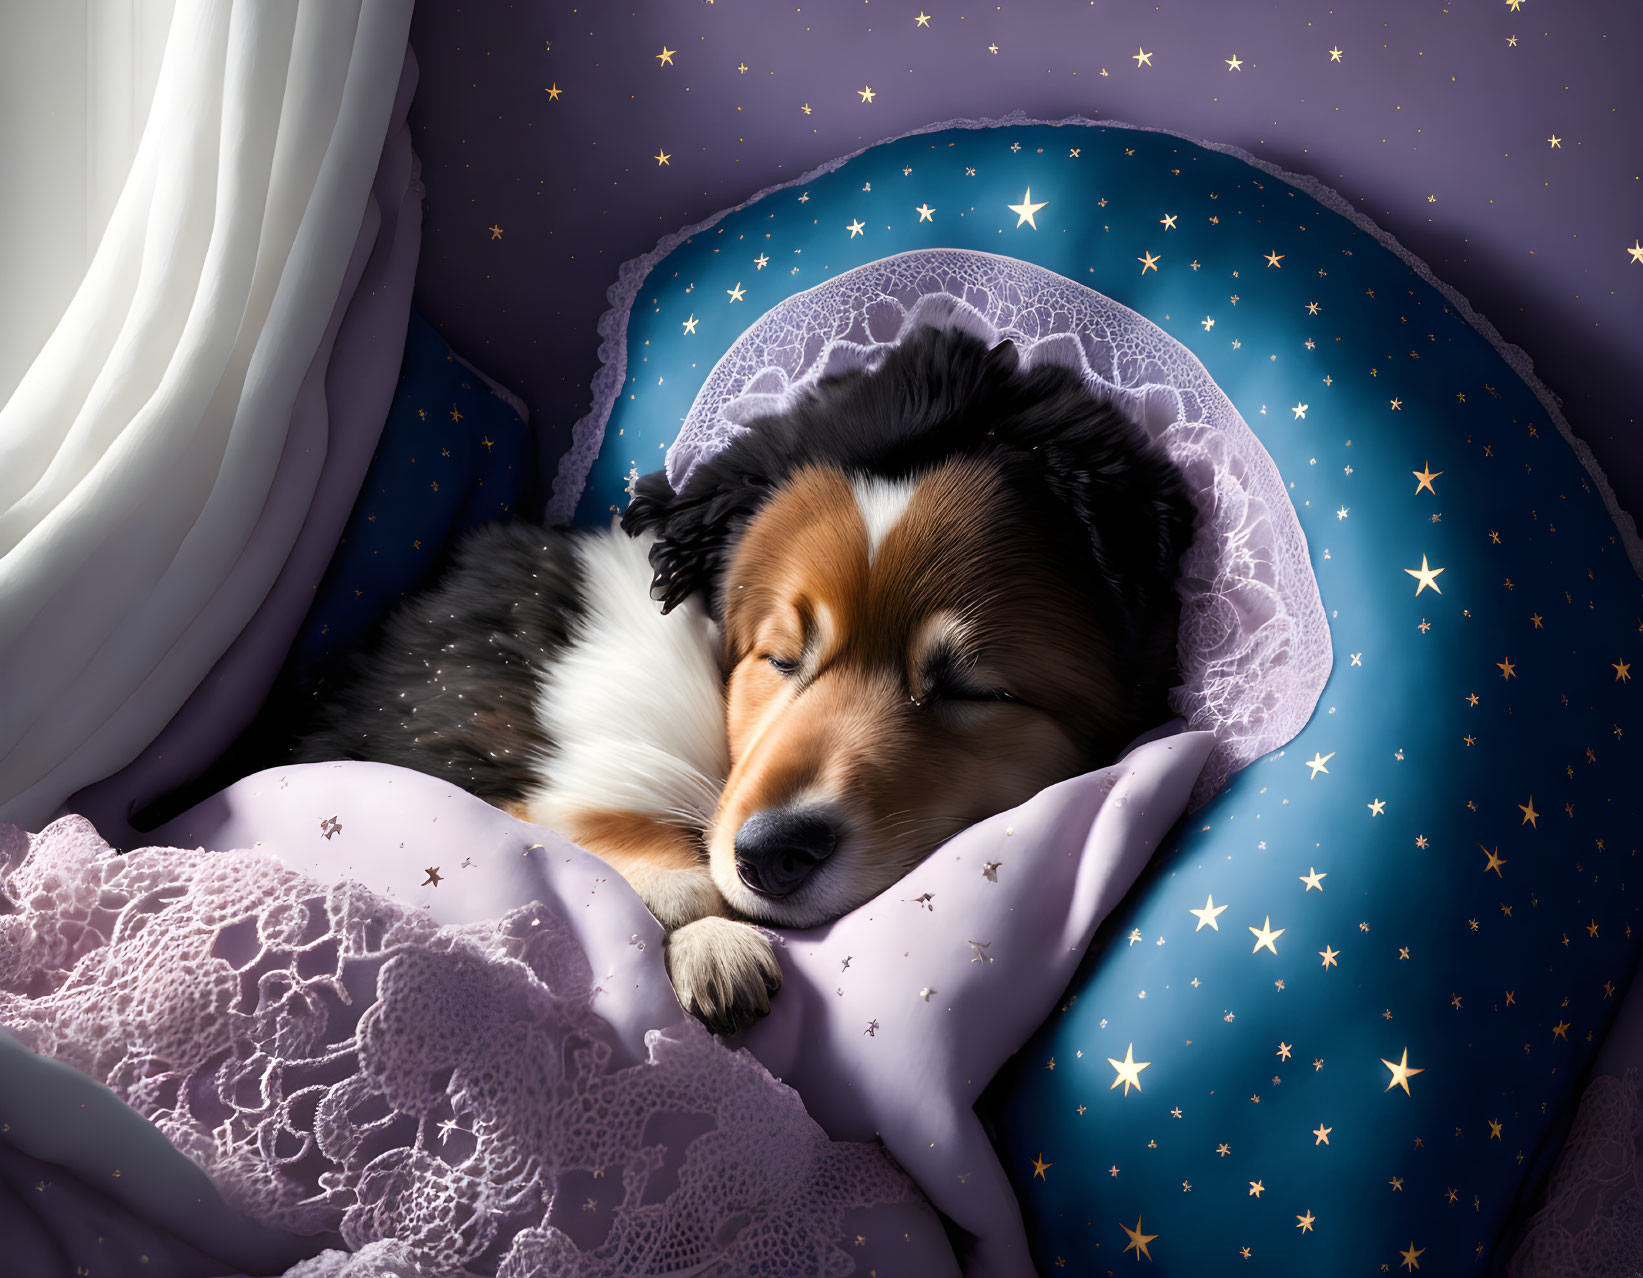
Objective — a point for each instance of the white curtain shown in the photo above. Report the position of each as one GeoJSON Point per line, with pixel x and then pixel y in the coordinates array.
{"type": "Point", "coordinates": [137, 451]}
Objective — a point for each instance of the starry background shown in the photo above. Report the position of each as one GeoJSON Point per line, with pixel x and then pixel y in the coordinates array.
{"type": "Point", "coordinates": [1435, 121]}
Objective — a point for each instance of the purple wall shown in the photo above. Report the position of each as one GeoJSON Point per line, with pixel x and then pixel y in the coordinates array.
{"type": "Point", "coordinates": [1432, 121]}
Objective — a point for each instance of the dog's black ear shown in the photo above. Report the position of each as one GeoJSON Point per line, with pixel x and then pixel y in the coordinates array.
{"type": "Point", "coordinates": [696, 529]}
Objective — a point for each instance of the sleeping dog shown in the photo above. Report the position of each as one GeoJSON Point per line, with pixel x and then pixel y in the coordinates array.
{"type": "Point", "coordinates": [911, 601]}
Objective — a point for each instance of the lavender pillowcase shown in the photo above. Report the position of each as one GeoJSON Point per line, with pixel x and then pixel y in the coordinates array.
{"type": "Point", "coordinates": [891, 1020]}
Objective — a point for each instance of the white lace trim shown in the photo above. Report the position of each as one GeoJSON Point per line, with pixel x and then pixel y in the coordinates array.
{"type": "Point", "coordinates": [443, 1098]}
{"type": "Point", "coordinates": [1254, 645]}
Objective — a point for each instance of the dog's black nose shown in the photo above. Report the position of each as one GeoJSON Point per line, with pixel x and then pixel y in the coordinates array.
{"type": "Point", "coordinates": [778, 849]}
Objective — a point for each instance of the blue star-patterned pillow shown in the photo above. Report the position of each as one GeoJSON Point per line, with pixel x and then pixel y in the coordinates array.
{"type": "Point", "coordinates": [1344, 1016]}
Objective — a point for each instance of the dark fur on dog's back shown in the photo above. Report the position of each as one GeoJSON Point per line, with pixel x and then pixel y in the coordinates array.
{"type": "Point", "coordinates": [449, 686]}
{"type": "Point", "coordinates": [1113, 508]}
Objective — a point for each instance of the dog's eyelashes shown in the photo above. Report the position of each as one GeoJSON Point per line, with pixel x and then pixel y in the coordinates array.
{"type": "Point", "coordinates": [783, 667]}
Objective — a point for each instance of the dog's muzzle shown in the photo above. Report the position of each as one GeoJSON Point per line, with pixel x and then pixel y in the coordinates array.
{"type": "Point", "coordinates": [778, 849]}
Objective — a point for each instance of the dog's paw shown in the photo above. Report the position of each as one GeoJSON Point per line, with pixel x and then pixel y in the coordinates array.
{"type": "Point", "coordinates": [724, 972]}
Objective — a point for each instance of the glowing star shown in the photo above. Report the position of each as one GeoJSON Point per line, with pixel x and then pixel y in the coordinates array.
{"type": "Point", "coordinates": [1425, 576]}
{"type": "Point", "coordinates": [1208, 914]}
{"type": "Point", "coordinates": [1265, 936]}
{"type": "Point", "coordinates": [1409, 1256]}
{"type": "Point", "coordinates": [1335, 55]}
{"type": "Point", "coordinates": [1138, 1240]}
{"type": "Point", "coordinates": [1129, 1070]}
{"type": "Point", "coordinates": [866, 93]}
{"type": "Point", "coordinates": [1529, 813]}
{"type": "Point", "coordinates": [661, 157]}
{"type": "Point", "coordinates": [1316, 763]}
{"type": "Point", "coordinates": [496, 232]}
{"type": "Point", "coordinates": [1142, 58]}
{"type": "Point", "coordinates": [1622, 671]}
{"type": "Point", "coordinates": [1168, 221]}
{"type": "Point", "coordinates": [1304, 1223]}
{"type": "Point", "coordinates": [1149, 263]}
{"type": "Point", "coordinates": [1377, 807]}
{"type": "Point", "coordinates": [760, 262]}
{"type": "Point", "coordinates": [1040, 1167]}
{"type": "Point", "coordinates": [1557, 142]}
{"type": "Point", "coordinates": [1322, 1133]}
{"type": "Point", "coordinates": [737, 293]}
{"type": "Point", "coordinates": [925, 213]}
{"type": "Point", "coordinates": [1312, 308]}
{"type": "Point", "coordinates": [1272, 259]}
{"type": "Point", "coordinates": [1234, 63]}
{"type": "Point", "coordinates": [690, 324]}
{"type": "Point", "coordinates": [1300, 410]}
{"type": "Point", "coordinates": [666, 56]}
{"type": "Point", "coordinates": [1330, 955]}
{"type": "Point", "coordinates": [553, 93]}
{"type": "Point", "coordinates": [1507, 669]}
{"type": "Point", "coordinates": [1636, 252]}
{"type": "Point", "coordinates": [1495, 861]}
{"type": "Point", "coordinates": [1313, 879]}
{"type": "Point", "coordinates": [1026, 209]}
{"type": "Point", "coordinates": [1256, 1188]}
{"type": "Point", "coordinates": [855, 228]}
{"type": "Point", "coordinates": [1426, 475]}
{"type": "Point", "coordinates": [1402, 1072]}
{"type": "Point", "coordinates": [923, 19]}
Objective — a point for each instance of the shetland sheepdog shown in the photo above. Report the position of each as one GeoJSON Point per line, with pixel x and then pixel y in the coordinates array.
{"type": "Point", "coordinates": [910, 601]}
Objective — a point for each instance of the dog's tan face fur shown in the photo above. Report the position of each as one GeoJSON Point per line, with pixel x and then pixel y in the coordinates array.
{"type": "Point", "coordinates": [952, 578]}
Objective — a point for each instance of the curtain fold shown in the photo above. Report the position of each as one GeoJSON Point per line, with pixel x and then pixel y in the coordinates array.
{"type": "Point", "coordinates": [138, 454]}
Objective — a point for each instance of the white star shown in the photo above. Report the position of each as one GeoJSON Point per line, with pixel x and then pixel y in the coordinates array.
{"type": "Point", "coordinates": [1300, 410]}
{"type": "Point", "coordinates": [737, 293]}
{"type": "Point", "coordinates": [925, 212]}
{"type": "Point", "coordinates": [1026, 209]}
{"type": "Point", "coordinates": [855, 228]}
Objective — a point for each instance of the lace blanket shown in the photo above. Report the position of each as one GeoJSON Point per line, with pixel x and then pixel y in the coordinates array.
{"type": "Point", "coordinates": [444, 1099]}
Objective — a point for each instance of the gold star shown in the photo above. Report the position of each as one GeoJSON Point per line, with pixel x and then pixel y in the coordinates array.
{"type": "Point", "coordinates": [1040, 1167]}
{"type": "Point", "coordinates": [661, 157]}
{"type": "Point", "coordinates": [923, 19]}
{"type": "Point", "coordinates": [865, 93]}
{"type": "Point", "coordinates": [1622, 671]}
{"type": "Point", "coordinates": [1255, 1189]}
{"type": "Point", "coordinates": [1409, 1256]}
{"type": "Point", "coordinates": [1149, 262]}
{"type": "Point", "coordinates": [1168, 221]}
{"type": "Point", "coordinates": [1283, 1051]}
{"type": "Point", "coordinates": [1425, 576]}
{"type": "Point", "coordinates": [1304, 1223]}
{"type": "Point", "coordinates": [1335, 55]}
{"type": "Point", "coordinates": [1402, 1072]}
{"type": "Point", "coordinates": [855, 228]}
{"type": "Point", "coordinates": [1561, 1030]}
{"type": "Point", "coordinates": [553, 93]}
{"type": "Point", "coordinates": [1529, 813]}
{"type": "Point", "coordinates": [760, 262]}
{"type": "Point", "coordinates": [1265, 936]}
{"type": "Point", "coordinates": [1397, 1184]}
{"type": "Point", "coordinates": [1557, 142]}
{"type": "Point", "coordinates": [1208, 914]}
{"type": "Point", "coordinates": [737, 293]}
{"type": "Point", "coordinates": [1142, 58]}
{"type": "Point", "coordinates": [1426, 475]}
{"type": "Point", "coordinates": [1322, 1133]}
{"type": "Point", "coordinates": [1234, 63]}
{"type": "Point", "coordinates": [496, 232]}
{"type": "Point", "coordinates": [992, 48]}
{"type": "Point", "coordinates": [1313, 879]}
{"type": "Point", "coordinates": [1377, 807]}
{"type": "Point", "coordinates": [742, 67]}
{"type": "Point", "coordinates": [1329, 956]}
{"type": "Point", "coordinates": [806, 109]}
{"type": "Point", "coordinates": [1138, 1240]}
{"type": "Point", "coordinates": [1129, 1070]}
{"type": "Point", "coordinates": [666, 55]}
{"type": "Point", "coordinates": [925, 212]}
{"type": "Point", "coordinates": [1272, 259]}
{"type": "Point", "coordinates": [1535, 618]}
{"type": "Point", "coordinates": [1495, 861]}
{"type": "Point", "coordinates": [1026, 209]}
{"type": "Point", "coordinates": [1636, 251]}
{"type": "Point", "coordinates": [1316, 763]}
{"type": "Point", "coordinates": [433, 878]}
{"type": "Point", "coordinates": [1397, 405]}
{"type": "Point", "coordinates": [1507, 669]}
{"type": "Point", "coordinates": [1511, 42]}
